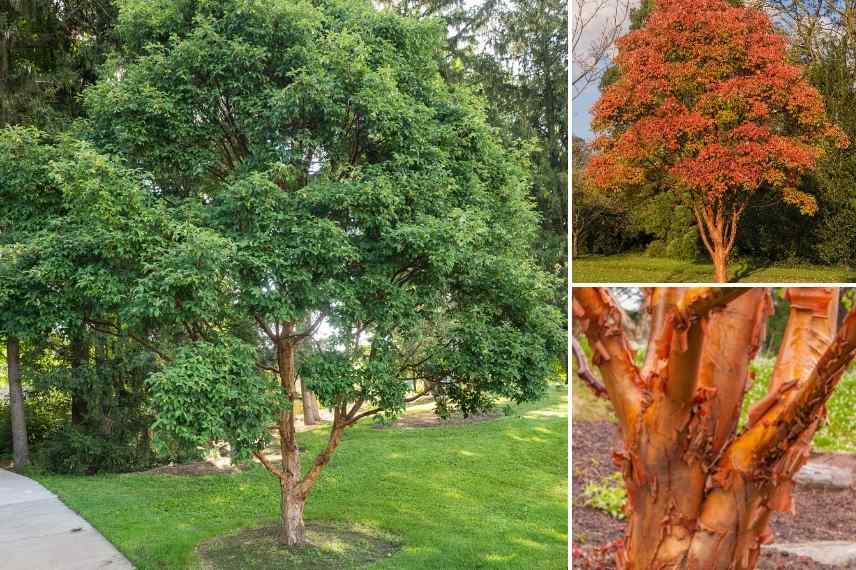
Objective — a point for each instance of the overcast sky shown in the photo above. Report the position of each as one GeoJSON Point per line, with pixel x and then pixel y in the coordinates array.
{"type": "Point", "coordinates": [581, 106]}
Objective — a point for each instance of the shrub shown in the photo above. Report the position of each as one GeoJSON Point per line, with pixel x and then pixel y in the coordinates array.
{"type": "Point", "coordinates": [46, 412]}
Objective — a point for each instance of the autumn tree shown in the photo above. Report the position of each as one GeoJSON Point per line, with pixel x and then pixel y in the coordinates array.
{"type": "Point", "coordinates": [303, 165]}
{"type": "Point", "coordinates": [707, 106]}
{"type": "Point", "coordinates": [701, 491]}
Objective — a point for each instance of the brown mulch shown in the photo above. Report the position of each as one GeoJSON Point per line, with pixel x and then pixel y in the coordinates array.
{"type": "Point", "coordinates": [820, 514]}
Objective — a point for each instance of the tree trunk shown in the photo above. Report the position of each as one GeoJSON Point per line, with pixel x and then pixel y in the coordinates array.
{"type": "Point", "coordinates": [292, 531]}
{"type": "Point", "coordinates": [720, 266]}
{"type": "Point", "coordinates": [311, 413]}
{"type": "Point", "coordinates": [712, 231]}
{"type": "Point", "coordinates": [20, 447]}
{"type": "Point", "coordinates": [79, 357]}
{"type": "Point", "coordinates": [701, 494]}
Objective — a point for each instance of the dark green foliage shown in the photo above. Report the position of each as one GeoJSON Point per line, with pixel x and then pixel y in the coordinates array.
{"type": "Point", "coordinates": [834, 76]}
{"type": "Point", "coordinates": [515, 53]}
{"type": "Point", "coordinates": [602, 224]}
{"type": "Point", "coordinates": [49, 51]}
{"type": "Point", "coordinates": [775, 232]}
{"type": "Point", "coordinates": [670, 223]}
{"type": "Point", "coordinates": [215, 392]}
{"type": "Point", "coordinates": [47, 411]}
{"type": "Point", "coordinates": [252, 165]}
{"type": "Point", "coordinates": [67, 268]}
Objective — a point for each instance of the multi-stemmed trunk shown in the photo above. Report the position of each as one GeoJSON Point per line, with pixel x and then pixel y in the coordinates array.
{"type": "Point", "coordinates": [20, 447]}
{"type": "Point", "coordinates": [700, 493]}
{"type": "Point", "coordinates": [294, 488]}
{"type": "Point", "coordinates": [717, 226]}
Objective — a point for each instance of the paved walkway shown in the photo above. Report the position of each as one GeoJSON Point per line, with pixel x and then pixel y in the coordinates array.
{"type": "Point", "coordinates": [38, 532]}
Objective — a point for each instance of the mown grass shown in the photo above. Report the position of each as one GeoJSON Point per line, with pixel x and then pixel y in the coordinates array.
{"type": "Point", "coordinates": [639, 268]}
{"type": "Point", "coordinates": [483, 495]}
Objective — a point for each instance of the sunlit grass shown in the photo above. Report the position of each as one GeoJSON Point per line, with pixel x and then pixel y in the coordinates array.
{"type": "Point", "coordinates": [484, 495]}
{"type": "Point", "coordinates": [639, 268]}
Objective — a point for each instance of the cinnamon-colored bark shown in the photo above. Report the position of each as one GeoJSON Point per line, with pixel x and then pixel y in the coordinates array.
{"type": "Point", "coordinates": [295, 488]}
{"type": "Point", "coordinates": [700, 493]}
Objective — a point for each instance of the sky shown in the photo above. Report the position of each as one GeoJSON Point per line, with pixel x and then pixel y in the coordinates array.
{"type": "Point", "coordinates": [581, 112]}
{"type": "Point", "coordinates": [581, 106]}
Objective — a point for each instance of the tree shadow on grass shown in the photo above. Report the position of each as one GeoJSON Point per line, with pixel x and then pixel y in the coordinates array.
{"type": "Point", "coordinates": [693, 271]}
{"type": "Point", "coordinates": [745, 267]}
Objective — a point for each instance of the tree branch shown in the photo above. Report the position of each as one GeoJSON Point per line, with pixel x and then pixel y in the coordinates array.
{"type": "Point", "coordinates": [810, 328]}
{"type": "Point", "coordinates": [351, 419]}
{"type": "Point", "coordinates": [268, 465]}
{"type": "Point", "coordinates": [585, 373]}
{"type": "Point", "coordinates": [321, 460]}
{"type": "Point", "coordinates": [732, 339]}
{"type": "Point", "coordinates": [684, 334]}
{"type": "Point", "coordinates": [600, 320]}
{"type": "Point", "coordinates": [799, 407]}
{"type": "Point", "coordinates": [261, 322]}
{"type": "Point", "coordinates": [117, 332]}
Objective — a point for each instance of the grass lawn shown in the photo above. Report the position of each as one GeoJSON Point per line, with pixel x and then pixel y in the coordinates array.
{"type": "Point", "coordinates": [639, 268]}
{"type": "Point", "coordinates": [482, 495]}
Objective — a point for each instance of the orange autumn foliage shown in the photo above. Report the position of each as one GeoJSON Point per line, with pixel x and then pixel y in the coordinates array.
{"type": "Point", "coordinates": [707, 106]}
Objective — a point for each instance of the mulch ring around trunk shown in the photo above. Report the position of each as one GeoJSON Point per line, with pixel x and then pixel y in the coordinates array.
{"type": "Point", "coordinates": [820, 514]}
{"type": "Point", "coordinates": [332, 546]}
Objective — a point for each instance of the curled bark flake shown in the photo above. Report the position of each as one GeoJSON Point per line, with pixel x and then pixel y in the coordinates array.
{"type": "Point", "coordinates": [762, 406]}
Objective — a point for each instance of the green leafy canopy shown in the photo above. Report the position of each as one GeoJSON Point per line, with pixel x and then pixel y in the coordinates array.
{"type": "Point", "coordinates": [283, 162]}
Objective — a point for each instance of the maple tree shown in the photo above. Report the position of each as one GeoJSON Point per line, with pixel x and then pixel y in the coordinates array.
{"type": "Point", "coordinates": [700, 490]}
{"type": "Point", "coordinates": [707, 106]}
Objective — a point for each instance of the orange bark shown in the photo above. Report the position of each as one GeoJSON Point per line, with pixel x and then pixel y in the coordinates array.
{"type": "Point", "coordinates": [700, 493]}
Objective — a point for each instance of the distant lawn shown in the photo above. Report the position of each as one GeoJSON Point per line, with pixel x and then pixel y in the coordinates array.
{"type": "Point", "coordinates": [639, 268]}
{"type": "Point", "coordinates": [484, 495]}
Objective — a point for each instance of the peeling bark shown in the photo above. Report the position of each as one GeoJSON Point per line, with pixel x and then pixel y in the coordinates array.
{"type": "Point", "coordinates": [700, 495]}
{"type": "Point", "coordinates": [294, 489]}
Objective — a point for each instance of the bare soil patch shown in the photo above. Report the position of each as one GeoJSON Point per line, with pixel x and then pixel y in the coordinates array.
{"type": "Point", "coordinates": [820, 514]}
{"type": "Point", "coordinates": [332, 546]}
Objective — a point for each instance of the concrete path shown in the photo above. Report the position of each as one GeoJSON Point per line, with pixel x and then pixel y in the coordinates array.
{"type": "Point", "coordinates": [38, 532]}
